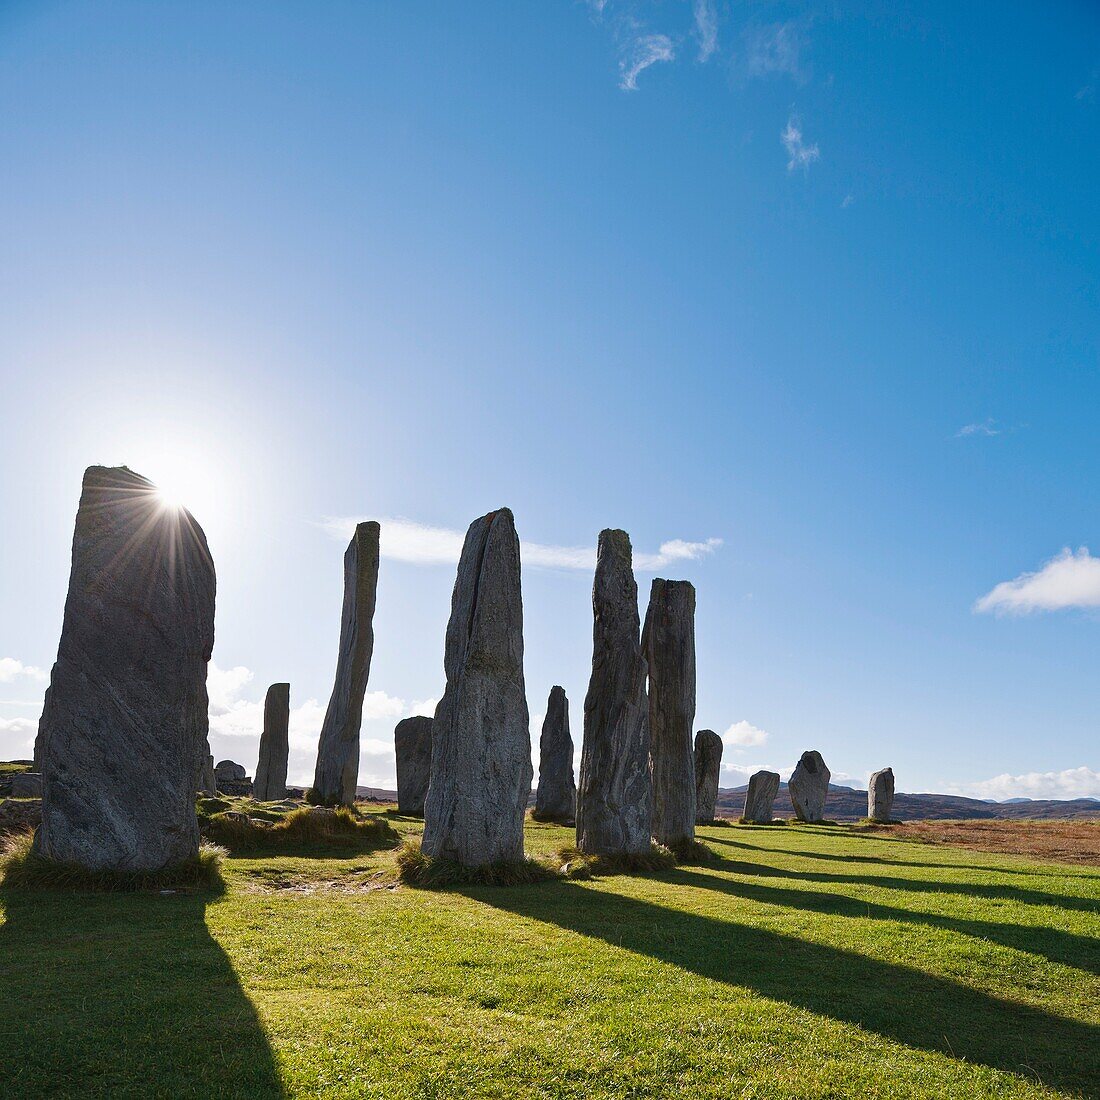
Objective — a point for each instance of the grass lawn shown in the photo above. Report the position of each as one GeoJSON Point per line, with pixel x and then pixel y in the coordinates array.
{"type": "Point", "coordinates": [802, 962]}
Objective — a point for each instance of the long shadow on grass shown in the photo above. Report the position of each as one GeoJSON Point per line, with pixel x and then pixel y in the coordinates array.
{"type": "Point", "coordinates": [999, 891]}
{"type": "Point", "coordinates": [1082, 952]}
{"type": "Point", "coordinates": [900, 1003]}
{"type": "Point", "coordinates": [1062, 871]}
{"type": "Point", "coordinates": [123, 995]}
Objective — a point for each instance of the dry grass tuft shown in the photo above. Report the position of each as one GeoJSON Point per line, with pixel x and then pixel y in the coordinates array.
{"type": "Point", "coordinates": [416, 869]}
{"type": "Point", "coordinates": [301, 828]}
{"type": "Point", "coordinates": [573, 863]}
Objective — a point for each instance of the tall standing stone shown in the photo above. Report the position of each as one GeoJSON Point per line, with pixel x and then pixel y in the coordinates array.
{"type": "Point", "coordinates": [124, 727]}
{"type": "Point", "coordinates": [708, 764]}
{"type": "Point", "coordinates": [412, 739]}
{"type": "Point", "coordinates": [337, 769]}
{"type": "Point", "coordinates": [760, 797]}
{"type": "Point", "coordinates": [614, 801]}
{"type": "Point", "coordinates": [809, 787]}
{"type": "Point", "coordinates": [481, 737]}
{"type": "Point", "coordinates": [556, 797]}
{"type": "Point", "coordinates": [668, 644]}
{"type": "Point", "coordinates": [880, 795]}
{"type": "Point", "coordinates": [270, 782]}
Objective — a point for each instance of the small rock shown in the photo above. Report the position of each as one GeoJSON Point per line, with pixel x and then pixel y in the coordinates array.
{"type": "Point", "coordinates": [760, 797]}
{"type": "Point", "coordinates": [880, 795]}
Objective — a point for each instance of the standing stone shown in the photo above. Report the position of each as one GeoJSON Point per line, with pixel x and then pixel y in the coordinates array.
{"type": "Point", "coordinates": [556, 797]}
{"type": "Point", "coordinates": [481, 737]}
{"type": "Point", "coordinates": [338, 751]}
{"type": "Point", "coordinates": [413, 741]}
{"type": "Point", "coordinates": [614, 801]}
{"type": "Point", "coordinates": [880, 795]}
{"type": "Point", "coordinates": [760, 797]}
{"type": "Point", "coordinates": [668, 644]}
{"type": "Point", "coordinates": [809, 787]}
{"type": "Point", "coordinates": [208, 783]}
{"type": "Point", "coordinates": [708, 762]}
{"type": "Point", "coordinates": [270, 785]}
{"type": "Point", "coordinates": [125, 723]}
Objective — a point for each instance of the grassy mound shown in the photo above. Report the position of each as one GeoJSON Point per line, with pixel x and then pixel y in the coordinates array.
{"type": "Point", "coordinates": [417, 869]}
{"type": "Point", "coordinates": [762, 824]}
{"type": "Point", "coordinates": [301, 828]}
{"type": "Point", "coordinates": [20, 866]}
{"type": "Point", "coordinates": [573, 863]}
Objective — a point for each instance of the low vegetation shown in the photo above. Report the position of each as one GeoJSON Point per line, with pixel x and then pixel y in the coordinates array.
{"type": "Point", "coordinates": [1072, 841]}
{"type": "Point", "coordinates": [417, 869]}
{"type": "Point", "coordinates": [797, 963]}
{"type": "Point", "coordinates": [252, 828]}
{"type": "Point", "coordinates": [20, 866]}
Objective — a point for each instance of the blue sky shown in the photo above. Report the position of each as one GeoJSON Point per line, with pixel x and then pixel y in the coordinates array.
{"type": "Point", "coordinates": [806, 294]}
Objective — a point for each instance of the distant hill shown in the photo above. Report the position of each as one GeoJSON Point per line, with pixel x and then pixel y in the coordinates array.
{"type": "Point", "coordinates": [848, 804]}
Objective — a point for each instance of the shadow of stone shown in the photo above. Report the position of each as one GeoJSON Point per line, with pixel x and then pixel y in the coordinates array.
{"type": "Point", "coordinates": [1082, 952]}
{"type": "Point", "coordinates": [998, 891]}
{"type": "Point", "coordinates": [123, 995]}
{"type": "Point", "coordinates": [900, 1003]}
{"type": "Point", "coordinates": [1061, 870]}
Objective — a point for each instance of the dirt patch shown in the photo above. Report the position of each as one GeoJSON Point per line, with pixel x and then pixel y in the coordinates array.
{"type": "Point", "coordinates": [356, 883]}
{"type": "Point", "coordinates": [1062, 841]}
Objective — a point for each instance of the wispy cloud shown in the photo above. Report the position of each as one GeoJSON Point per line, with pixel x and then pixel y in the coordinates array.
{"type": "Point", "coordinates": [11, 670]}
{"type": "Point", "coordinates": [848, 200]}
{"type": "Point", "coordinates": [706, 27]}
{"type": "Point", "coordinates": [799, 153]}
{"type": "Point", "coordinates": [744, 734]}
{"type": "Point", "coordinates": [422, 544]}
{"type": "Point", "coordinates": [1087, 92]}
{"type": "Point", "coordinates": [776, 50]}
{"type": "Point", "coordinates": [984, 427]}
{"type": "Point", "coordinates": [1067, 580]}
{"type": "Point", "coordinates": [1079, 782]}
{"type": "Point", "coordinates": [639, 53]}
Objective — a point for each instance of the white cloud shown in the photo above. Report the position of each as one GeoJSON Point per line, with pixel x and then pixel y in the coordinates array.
{"type": "Point", "coordinates": [675, 550]}
{"type": "Point", "coordinates": [776, 50]}
{"type": "Point", "coordinates": [424, 708]}
{"type": "Point", "coordinates": [223, 685]}
{"type": "Point", "coordinates": [848, 200]}
{"type": "Point", "coordinates": [1072, 783]}
{"type": "Point", "coordinates": [422, 544]}
{"type": "Point", "coordinates": [800, 155]}
{"type": "Point", "coordinates": [11, 669]}
{"type": "Point", "coordinates": [639, 54]}
{"type": "Point", "coordinates": [17, 738]}
{"type": "Point", "coordinates": [1067, 580]}
{"type": "Point", "coordinates": [986, 427]}
{"type": "Point", "coordinates": [743, 734]}
{"type": "Point", "coordinates": [706, 27]}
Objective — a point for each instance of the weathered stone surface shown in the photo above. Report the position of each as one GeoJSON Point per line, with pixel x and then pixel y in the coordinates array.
{"type": "Point", "coordinates": [556, 796]}
{"type": "Point", "coordinates": [760, 797]}
{"type": "Point", "coordinates": [412, 738]}
{"type": "Point", "coordinates": [26, 785]}
{"type": "Point", "coordinates": [708, 763]}
{"type": "Point", "coordinates": [614, 801]}
{"type": "Point", "coordinates": [668, 645]}
{"type": "Point", "coordinates": [809, 787]}
{"type": "Point", "coordinates": [481, 739]}
{"type": "Point", "coordinates": [337, 769]}
{"type": "Point", "coordinates": [270, 783]}
{"type": "Point", "coordinates": [20, 816]}
{"type": "Point", "coordinates": [231, 770]}
{"type": "Point", "coordinates": [6, 777]}
{"type": "Point", "coordinates": [125, 723]}
{"type": "Point", "coordinates": [880, 795]}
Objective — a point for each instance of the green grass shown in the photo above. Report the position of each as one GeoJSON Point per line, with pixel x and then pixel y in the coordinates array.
{"type": "Point", "coordinates": [304, 830]}
{"type": "Point", "coordinates": [798, 962]}
{"type": "Point", "coordinates": [8, 767]}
